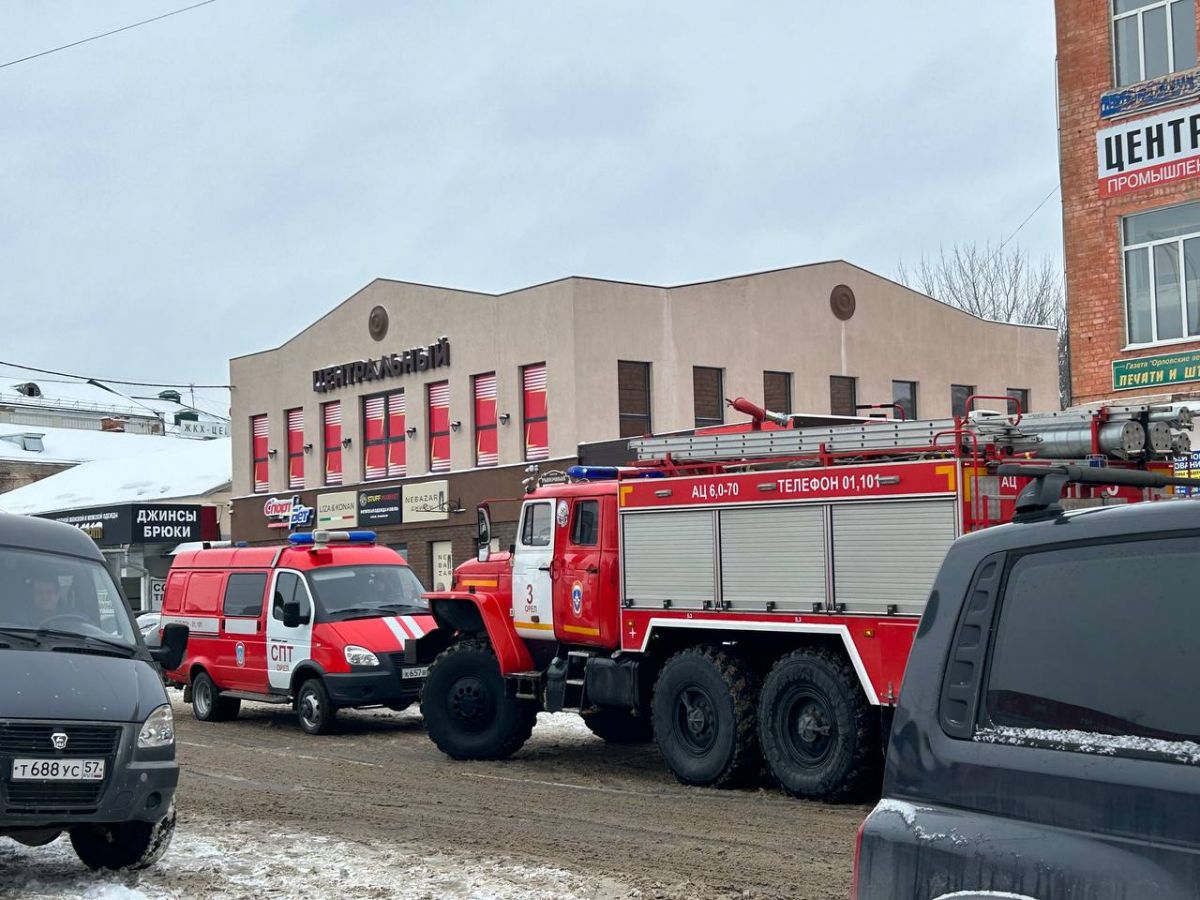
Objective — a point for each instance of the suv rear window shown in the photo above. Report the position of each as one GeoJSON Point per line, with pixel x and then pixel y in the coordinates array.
{"type": "Point", "coordinates": [1099, 641]}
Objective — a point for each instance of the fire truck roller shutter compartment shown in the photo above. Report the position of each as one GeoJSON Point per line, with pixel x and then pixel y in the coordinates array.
{"type": "Point", "coordinates": [773, 555]}
{"type": "Point", "coordinates": [887, 553]}
{"type": "Point", "coordinates": [669, 559]}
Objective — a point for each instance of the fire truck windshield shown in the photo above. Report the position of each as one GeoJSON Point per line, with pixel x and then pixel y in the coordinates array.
{"type": "Point", "coordinates": [348, 592]}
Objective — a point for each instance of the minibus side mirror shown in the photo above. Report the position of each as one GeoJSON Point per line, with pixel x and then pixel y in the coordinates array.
{"type": "Point", "coordinates": [174, 645]}
{"type": "Point", "coordinates": [483, 534]}
{"type": "Point", "coordinates": [291, 614]}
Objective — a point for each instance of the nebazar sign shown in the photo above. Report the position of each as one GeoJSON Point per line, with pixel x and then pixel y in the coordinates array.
{"type": "Point", "coordinates": [418, 359]}
{"type": "Point", "coordinates": [1147, 152]}
{"type": "Point", "coordinates": [1151, 371]}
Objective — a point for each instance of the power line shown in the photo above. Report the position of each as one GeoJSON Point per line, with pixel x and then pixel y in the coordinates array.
{"type": "Point", "coordinates": [96, 37]}
{"type": "Point", "coordinates": [1027, 218]}
{"type": "Point", "coordinates": [224, 387]}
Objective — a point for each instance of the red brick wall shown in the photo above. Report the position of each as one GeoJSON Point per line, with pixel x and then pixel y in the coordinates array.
{"type": "Point", "coordinates": [1091, 239]}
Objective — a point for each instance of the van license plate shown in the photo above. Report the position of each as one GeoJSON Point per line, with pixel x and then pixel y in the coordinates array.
{"type": "Point", "coordinates": [414, 672]}
{"type": "Point", "coordinates": [58, 770]}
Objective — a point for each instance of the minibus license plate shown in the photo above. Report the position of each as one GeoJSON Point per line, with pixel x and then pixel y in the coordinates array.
{"type": "Point", "coordinates": [57, 769]}
{"type": "Point", "coordinates": [414, 672]}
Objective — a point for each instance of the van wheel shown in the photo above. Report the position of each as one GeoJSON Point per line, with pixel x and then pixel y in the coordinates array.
{"type": "Point", "coordinates": [471, 711]}
{"type": "Point", "coordinates": [619, 726]}
{"type": "Point", "coordinates": [207, 703]}
{"type": "Point", "coordinates": [316, 712]}
{"type": "Point", "coordinates": [819, 735]}
{"type": "Point", "coordinates": [704, 717]}
{"type": "Point", "coordinates": [129, 845]}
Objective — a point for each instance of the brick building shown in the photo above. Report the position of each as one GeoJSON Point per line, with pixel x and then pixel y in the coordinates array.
{"type": "Point", "coordinates": [1129, 132]}
{"type": "Point", "coordinates": [406, 404]}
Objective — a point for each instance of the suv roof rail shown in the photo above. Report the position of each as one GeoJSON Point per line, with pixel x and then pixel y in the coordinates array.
{"type": "Point", "coordinates": [1041, 496]}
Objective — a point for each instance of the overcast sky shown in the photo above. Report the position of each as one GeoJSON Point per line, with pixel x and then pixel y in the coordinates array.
{"type": "Point", "coordinates": [207, 185]}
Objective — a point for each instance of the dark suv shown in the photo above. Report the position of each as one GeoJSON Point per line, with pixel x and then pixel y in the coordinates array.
{"type": "Point", "coordinates": [87, 740]}
{"type": "Point", "coordinates": [1047, 740]}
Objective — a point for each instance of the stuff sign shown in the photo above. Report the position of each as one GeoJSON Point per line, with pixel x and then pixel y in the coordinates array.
{"type": "Point", "coordinates": [380, 507]}
{"type": "Point", "coordinates": [1148, 152]}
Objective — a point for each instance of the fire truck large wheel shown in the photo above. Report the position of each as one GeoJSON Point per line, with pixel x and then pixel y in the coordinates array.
{"type": "Point", "coordinates": [619, 726]}
{"type": "Point", "coordinates": [469, 709]}
{"type": "Point", "coordinates": [316, 712]}
{"type": "Point", "coordinates": [207, 703]}
{"type": "Point", "coordinates": [703, 712]}
{"type": "Point", "coordinates": [819, 735]}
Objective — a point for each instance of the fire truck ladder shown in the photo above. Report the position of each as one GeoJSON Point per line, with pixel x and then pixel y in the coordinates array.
{"type": "Point", "coordinates": [1115, 432]}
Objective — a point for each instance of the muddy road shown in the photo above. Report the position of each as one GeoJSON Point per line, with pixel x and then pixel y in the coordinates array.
{"type": "Point", "coordinates": [610, 816]}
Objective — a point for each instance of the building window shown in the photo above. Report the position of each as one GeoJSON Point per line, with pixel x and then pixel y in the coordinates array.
{"type": "Point", "coordinates": [295, 449]}
{"type": "Point", "coordinates": [383, 436]}
{"type": "Point", "coordinates": [958, 398]}
{"type": "Point", "coordinates": [331, 428]}
{"type": "Point", "coordinates": [487, 451]}
{"type": "Point", "coordinates": [1021, 395]}
{"type": "Point", "coordinates": [1152, 38]}
{"type": "Point", "coordinates": [904, 395]}
{"type": "Point", "coordinates": [633, 398]}
{"type": "Point", "coordinates": [438, 422]}
{"type": "Point", "coordinates": [258, 454]}
{"type": "Point", "coordinates": [1162, 274]}
{"type": "Point", "coordinates": [777, 392]}
{"type": "Point", "coordinates": [843, 395]}
{"type": "Point", "coordinates": [708, 393]}
{"type": "Point", "coordinates": [534, 412]}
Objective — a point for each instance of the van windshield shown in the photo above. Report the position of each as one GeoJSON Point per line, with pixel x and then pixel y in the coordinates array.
{"type": "Point", "coordinates": [51, 597]}
{"type": "Point", "coordinates": [357, 591]}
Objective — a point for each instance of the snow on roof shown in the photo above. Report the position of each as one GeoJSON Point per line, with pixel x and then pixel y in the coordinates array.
{"type": "Point", "coordinates": [77, 445]}
{"type": "Point", "coordinates": [173, 469]}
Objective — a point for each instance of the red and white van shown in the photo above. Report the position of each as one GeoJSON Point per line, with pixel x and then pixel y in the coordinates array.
{"type": "Point", "coordinates": [327, 621]}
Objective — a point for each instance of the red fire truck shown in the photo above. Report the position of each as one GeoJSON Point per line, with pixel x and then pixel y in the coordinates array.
{"type": "Point", "coordinates": [749, 597]}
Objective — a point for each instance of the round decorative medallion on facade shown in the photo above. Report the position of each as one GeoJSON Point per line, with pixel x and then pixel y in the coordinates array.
{"type": "Point", "coordinates": [377, 323]}
{"type": "Point", "coordinates": [841, 301]}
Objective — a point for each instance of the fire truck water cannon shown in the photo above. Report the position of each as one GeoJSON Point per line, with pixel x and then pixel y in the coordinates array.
{"type": "Point", "coordinates": [747, 598]}
{"type": "Point", "coordinates": [759, 414]}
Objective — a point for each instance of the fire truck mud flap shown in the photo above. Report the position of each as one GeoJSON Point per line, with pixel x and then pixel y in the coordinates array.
{"type": "Point", "coordinates": [478, 614]}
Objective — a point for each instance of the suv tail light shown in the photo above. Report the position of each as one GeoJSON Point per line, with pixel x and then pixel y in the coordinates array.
{"type": "Point", "coordinates": [858, 839]}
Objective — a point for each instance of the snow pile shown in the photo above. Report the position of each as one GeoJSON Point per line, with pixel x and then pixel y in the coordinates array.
{"type": "Point", "coordinates": [243, 861]}
{"type": "Point", "coordinates": [1091, 742]}
{"type": "Point", "coordinates": [172, 469]}
{"type": "Point", "coordinates": [76, 445]}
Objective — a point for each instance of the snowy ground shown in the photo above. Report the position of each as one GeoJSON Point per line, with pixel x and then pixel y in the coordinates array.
{"type": "Point", "coordinates": [214, 861]}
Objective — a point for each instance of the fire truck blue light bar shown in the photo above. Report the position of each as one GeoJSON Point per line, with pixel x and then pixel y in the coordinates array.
{"type": "Point", "coordinates": [332, 537]}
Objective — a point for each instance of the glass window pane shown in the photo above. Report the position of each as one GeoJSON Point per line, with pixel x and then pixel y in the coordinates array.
{"type": "Point", "coordinates": [1191, 275]}
{"type": "Point", "coordinates": [1166, 292]}
{"type": "Point", "coordinates": [1154, 42]}
{"type": "Point", "coordinates": [1120, 6]}
{"type": "Point", "coordinates": [1126, 37]}
{"type": "Point", "coordinates": [1183, 34]}
{"type": "Point", "coordinates": [1137, 295]}
{"type": "Point", "coordinates": [1172, 221]}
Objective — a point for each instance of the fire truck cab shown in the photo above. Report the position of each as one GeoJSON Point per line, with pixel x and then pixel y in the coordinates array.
{"type": "Point", "coordinates": [327, 621]}
{"type": "Point", "coordinates": [746, 599]}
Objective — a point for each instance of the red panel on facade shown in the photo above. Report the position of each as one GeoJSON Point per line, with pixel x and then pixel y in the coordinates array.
{"type": "Point", "coordinates": [534, 407]}
{"type": "Point", "coordinates": [332, 427]}
{"type": "Point", "coordinates": [258, 453]}
{"type": "Point", "coordinates": [439, 427]}
{"type": "Point", "coordinates": [295, 448]}
{"type": "Point", "coordinates": [396, 456]}
{"type": "Point", "coordinates": [486, 445]}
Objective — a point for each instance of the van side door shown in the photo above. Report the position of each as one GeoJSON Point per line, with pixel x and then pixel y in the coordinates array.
{"type": "Point", "coordinates": [287, 647]}
{"type": "Point", "coordinates": [243, 644]}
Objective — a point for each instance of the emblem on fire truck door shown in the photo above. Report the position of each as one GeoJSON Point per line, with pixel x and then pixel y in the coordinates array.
{"type": "Point", "coordinates": [562, 513]}
{"type": "Point", "coordinates": [577, 597]}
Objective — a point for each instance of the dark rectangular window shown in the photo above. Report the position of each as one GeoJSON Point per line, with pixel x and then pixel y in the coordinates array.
{"type": "Point", "coordinates": [904, 395]}
{"type": "Point", "coordinates": [777, 392]}
{"type": "Point", "coordinates": [258, 454]}
{"type": "Point", "coordinates": [1021, 395]}
{"type": "Point", "coordinates": [958, 398]}
{"type": "Point", "coordinates": [1152, 38]}
{"type": "Point", "coordinates": [585, 526]}
{"type": "Point", "coordinates": [1097, 639]}
{"type": "Point", "coordinates": [843, 395]}
{"type": "Point", "coordinates": [633, 398]}
{"type": "Point", "coordinates": [708, 395]}
{"type": "Point", "coordinates": [244, 594]}
{"type": "Point", "coordinates": [384, 450]}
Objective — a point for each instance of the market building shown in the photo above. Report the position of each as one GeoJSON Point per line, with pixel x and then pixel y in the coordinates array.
{"type": "Point", "coordinates": [1129, 132]}
{"type": "Point", "coordinates": [408, 404]}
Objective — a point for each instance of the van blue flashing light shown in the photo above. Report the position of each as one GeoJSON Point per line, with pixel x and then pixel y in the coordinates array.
{"type": "Point", "coordinates": [322, 538]}
{"type": "Point", "coordinates": [610, 473]}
